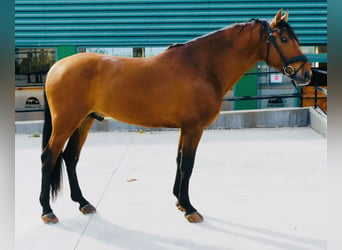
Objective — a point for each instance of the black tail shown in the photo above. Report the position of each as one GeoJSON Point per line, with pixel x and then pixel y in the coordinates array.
{"type": "Point", "coordinates": [56, 170]}
{"type": "Point", "coordinates": [47, 128]}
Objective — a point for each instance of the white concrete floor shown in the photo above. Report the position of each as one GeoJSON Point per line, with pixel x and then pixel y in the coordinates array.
{"type": "Point", "coordinates": [256, 188]}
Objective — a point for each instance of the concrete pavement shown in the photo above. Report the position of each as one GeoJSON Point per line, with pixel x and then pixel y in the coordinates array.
{"type": "Point", "coordinates": [256, 188]}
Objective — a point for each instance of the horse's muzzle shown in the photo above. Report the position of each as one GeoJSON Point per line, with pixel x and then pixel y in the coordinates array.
{"type": "Point", "coordinates": [302, 78]}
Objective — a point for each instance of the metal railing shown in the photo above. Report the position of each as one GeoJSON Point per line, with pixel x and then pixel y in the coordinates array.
{"type": "Point", "coordinates": [294, 95]}
{"type": "Point", "coordinates": [318, 88]}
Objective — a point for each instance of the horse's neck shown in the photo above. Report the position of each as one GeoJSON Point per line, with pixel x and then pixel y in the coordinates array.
{"type": "Point", "coordinates": [230, 54]}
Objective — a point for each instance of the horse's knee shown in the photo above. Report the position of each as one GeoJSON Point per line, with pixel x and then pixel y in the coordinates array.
{"type": "Point", "coordinates": [187, 164]}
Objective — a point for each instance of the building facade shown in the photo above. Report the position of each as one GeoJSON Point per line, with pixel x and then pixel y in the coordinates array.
{"type": "Point", "coordinates": [48, 30]}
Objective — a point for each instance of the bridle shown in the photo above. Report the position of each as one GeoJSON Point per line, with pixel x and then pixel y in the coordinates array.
{"type": "Point", "coordinates": [288, 70]}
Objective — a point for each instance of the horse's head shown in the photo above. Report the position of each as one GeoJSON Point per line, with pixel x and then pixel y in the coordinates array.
{"type": "Point", "coordinates": [283, 51]}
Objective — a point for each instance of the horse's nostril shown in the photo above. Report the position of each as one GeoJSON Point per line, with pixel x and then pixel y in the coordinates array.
{"type": "Point", "coordinates": [307, 75]}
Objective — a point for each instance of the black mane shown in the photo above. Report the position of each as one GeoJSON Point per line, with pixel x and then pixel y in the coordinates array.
{"type": "Point", "coordinates": [176, 45]}
{"type": "Point", "coordinates": [282, 26]}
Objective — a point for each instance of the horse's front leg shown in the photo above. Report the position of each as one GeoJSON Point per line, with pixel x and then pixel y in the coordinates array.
{"type": "Point", "coordinates": [185, 161]}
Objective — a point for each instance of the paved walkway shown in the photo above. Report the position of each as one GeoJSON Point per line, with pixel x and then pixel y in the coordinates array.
{"type": "Point", "coordinates": [257, 189]}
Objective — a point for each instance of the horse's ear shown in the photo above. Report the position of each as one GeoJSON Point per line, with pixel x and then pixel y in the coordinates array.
{"type": "Point", "coordinates": [276, 19]}
{"type": "Point", "coordinates": [285, 17]}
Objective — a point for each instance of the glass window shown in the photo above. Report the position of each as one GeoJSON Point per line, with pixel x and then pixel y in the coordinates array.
{"type": "Point", "coordinates": [32, 65]}
{"type": "Point", "coordinates": [138, 52]}
{"type": "Point", "coordinates": [152, 51]}
{"type": "Point", "coordinates": [126, 52]}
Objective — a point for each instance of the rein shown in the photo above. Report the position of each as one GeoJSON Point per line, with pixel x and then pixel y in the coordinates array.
{"type": "Point", "coordinates": [288, 70]}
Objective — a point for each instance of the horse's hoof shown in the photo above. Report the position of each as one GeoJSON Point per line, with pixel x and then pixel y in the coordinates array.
{"type": "Point", "coordinates": [179, 206]}
{"type": "Point", "coordinates": [88, 209]}
{"type": "Point", "coordinates": [195, 217]}
{"type": "Point", "coordinates": [49, 218]}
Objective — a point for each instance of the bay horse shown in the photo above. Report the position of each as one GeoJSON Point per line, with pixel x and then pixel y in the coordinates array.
{"type": "Point", "coordinates": [180, 88]}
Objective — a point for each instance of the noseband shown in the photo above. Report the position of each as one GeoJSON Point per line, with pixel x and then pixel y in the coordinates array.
{"type": "Point", "coordinates": [288, 70]}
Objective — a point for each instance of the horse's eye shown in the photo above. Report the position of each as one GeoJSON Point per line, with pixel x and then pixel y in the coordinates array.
{"type": "Point", "coordinates": [283, 39]}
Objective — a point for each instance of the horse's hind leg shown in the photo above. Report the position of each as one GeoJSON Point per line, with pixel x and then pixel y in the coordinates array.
{"type": "Point", "coordinates": [188, 143]}
{"type": "Point", "coordinates": [71, 155]}
{"type": "Point", "coordinates": [51, 169]}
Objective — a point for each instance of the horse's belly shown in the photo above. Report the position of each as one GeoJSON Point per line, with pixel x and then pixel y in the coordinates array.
{"type": "Point", "coordinates": [140, 111]}
{"type": "Point", "coordinates": [144, 120]}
